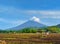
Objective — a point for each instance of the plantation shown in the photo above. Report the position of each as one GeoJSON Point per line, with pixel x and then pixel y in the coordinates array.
{"type": "Point", "coordinates": [30, 38]}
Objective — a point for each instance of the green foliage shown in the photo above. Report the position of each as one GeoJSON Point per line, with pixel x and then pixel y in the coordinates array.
{"type": "Point", "coordinates": [41, 30]}
{"type": "Point", "coordinates": [51, 29]}
{"type": "Point", "coordinates": [54, 29]}
{"type": "Point", "coordinates": [29, 30]}
{"type": "Point", "coordinates": [25, 30]}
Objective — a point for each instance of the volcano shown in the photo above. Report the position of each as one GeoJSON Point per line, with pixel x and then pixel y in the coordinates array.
{"type": "Point", "coordinates": [34, 22]}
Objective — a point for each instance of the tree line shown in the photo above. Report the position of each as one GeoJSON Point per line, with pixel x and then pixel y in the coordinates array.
{"type": "Point", "coordinates": [51, 29]}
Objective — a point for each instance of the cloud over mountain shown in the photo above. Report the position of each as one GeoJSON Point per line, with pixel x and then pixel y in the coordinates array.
{"type": "Point", "coordinates": [35, 19]}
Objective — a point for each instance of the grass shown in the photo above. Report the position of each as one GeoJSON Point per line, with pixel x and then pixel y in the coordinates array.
{"type": "Point", "coordinates": [30, 38]}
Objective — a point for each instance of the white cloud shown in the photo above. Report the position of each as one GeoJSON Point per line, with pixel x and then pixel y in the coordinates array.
{"type": "Point", "coordinates": [43, 13]}
{"type": "Point", "coordinates": [35, 19]}
{"type": "Point", "coordinates": [13, 22]}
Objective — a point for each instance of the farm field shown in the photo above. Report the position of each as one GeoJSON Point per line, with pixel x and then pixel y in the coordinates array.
{"type": "Point", "coordinates": [30, 38]}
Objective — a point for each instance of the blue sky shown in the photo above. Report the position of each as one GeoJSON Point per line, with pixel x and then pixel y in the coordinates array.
{"type": "Point", "coordinates": [16, 12]}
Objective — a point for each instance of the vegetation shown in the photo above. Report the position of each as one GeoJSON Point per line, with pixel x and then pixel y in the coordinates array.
{"type": "Point", "coordinates": [51, 29]}
{"type": "Point", "coordinates": [29, 38]}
